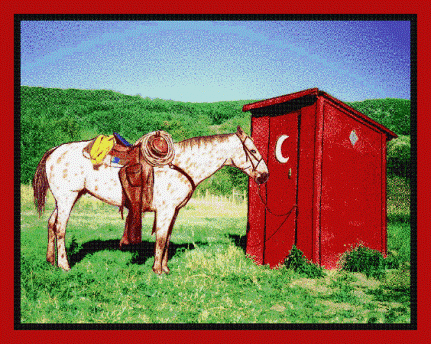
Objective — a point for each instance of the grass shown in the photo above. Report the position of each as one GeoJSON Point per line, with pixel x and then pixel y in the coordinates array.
{"type": "Point", "coordinates": [211, 280]}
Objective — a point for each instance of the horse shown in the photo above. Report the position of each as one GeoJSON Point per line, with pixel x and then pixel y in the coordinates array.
{"type": "Point", "coordinates": [69, 174]}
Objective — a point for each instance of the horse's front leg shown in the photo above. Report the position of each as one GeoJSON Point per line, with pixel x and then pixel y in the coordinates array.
{"type": "Point", "coordinates": [168, 240]}
{"type": "Point", "coordinates": [165, 220]}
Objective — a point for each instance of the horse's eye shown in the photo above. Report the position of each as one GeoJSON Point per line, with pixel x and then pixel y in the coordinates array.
{"type": "Point", "coordinates": [253, 151]}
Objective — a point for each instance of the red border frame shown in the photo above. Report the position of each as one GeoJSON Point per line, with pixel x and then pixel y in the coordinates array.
{"type": "Point", "coordinates": [9, 8]}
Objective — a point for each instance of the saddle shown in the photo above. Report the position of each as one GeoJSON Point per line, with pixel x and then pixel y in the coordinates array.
{"type": "Point", "coordinates": [136, 174]}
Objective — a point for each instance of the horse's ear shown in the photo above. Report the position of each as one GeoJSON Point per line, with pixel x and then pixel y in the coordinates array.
{"type": "Point", "coordinates": [240, 131]}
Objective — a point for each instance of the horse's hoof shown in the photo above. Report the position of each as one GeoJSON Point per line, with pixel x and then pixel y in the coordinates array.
{"type": "Point", "coordinates": [166, 270]}
{"type": "Point", "coordinates": [158, 271]}
{"type": "Point", "coordinates": [123, 242]}
{"type": "Point", "coordinates": [64, 268]}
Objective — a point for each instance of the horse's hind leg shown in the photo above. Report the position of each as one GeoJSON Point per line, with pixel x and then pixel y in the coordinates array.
{"type": "Point", "coordinates": [50, 253]}
{"type": "Point", "coordinates": [64, 207]}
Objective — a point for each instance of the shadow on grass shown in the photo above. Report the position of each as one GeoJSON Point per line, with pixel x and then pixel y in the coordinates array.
{"type": "Point", "coordinates": [382, 294]}
{"type": "Point", "coordinates": [141, 252]}
{"type": "Point", "coordinates": [239, 240]}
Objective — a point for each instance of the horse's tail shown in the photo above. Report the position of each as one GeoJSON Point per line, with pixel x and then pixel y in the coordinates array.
{"type": "Point", "coordinates": [40, 183]}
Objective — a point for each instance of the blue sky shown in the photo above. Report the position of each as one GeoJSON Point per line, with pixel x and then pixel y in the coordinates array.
{"type": "Point", "coordinates": [207, 61]}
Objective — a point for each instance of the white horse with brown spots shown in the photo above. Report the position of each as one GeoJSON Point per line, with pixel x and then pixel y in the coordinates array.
{"type": "Point", "coordinates": [69, 174]}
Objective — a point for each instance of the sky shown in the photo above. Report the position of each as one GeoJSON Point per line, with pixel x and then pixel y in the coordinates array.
{"type": "Point", "coordinates": [209, 61]}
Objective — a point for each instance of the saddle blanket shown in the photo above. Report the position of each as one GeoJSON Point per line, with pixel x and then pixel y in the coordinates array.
{"type": "Point", "coordinates": [101, 147]}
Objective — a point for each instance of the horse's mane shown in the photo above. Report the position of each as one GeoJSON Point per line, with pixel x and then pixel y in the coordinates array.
{"type": "Point", "coordinates": [197, 141]}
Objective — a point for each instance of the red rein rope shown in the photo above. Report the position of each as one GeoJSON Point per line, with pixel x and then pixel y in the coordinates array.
{"type": "Point", "coordinates": [295, 206]}
{"type": "Point", "coordinates": [269, 210]}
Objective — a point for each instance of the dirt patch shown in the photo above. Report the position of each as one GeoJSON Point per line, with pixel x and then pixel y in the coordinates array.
{"type": "Point", "coordinates": [337, 305]}
{"type": "Point", "coordinates": [315, 285]}
{"type": "Point", "coordinates": [364, 282]}
{"type": "Point", "coordinates": [364, 298]}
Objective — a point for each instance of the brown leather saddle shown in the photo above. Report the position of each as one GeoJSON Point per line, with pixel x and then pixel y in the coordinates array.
{"type": "Point", "coordinates": [137, 180]}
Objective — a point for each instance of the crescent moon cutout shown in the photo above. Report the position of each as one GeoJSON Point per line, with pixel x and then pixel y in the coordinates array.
{"type": "Point", "coordinates": [279, 156]}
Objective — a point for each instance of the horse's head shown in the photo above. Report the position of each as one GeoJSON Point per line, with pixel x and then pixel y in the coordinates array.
{"type": "Point", "coordinates": [249, 160]}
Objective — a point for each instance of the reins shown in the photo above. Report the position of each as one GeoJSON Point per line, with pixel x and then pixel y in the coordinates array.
{"type": "Point", "coordinates": [269, 210]}
{"type": "Point", "coordinates": [295, 206]}
{"type": "Point", "coordinates": [248, 153]}
{"type": "Point", "coordinates": [179, 169]}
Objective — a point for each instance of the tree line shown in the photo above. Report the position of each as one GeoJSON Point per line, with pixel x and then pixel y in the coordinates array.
{"type": "Point", "coordinates": [50, 117]}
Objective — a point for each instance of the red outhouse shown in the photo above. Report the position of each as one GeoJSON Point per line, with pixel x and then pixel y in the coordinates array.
{"type": "Point", "coordinates": [327, 179]}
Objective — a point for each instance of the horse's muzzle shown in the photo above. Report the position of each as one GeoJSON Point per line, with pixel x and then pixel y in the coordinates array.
{"type": "Point", "coordinates": [262, 178]}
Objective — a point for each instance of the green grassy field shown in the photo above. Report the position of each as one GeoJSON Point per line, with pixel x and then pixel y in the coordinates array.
{"type": "Point", "coordinates": [211, 280]}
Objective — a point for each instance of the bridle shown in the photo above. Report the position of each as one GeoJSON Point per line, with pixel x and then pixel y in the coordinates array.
{"type": "Point", "coordinates": [249, 154]}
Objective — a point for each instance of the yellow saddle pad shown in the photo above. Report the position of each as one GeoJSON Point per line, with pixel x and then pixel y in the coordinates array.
{"type": "Point", "coordinates": [101, 147]}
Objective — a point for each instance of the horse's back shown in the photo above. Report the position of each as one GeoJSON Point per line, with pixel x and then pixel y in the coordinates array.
{"type": "Point", "coordinates": [67, 155]}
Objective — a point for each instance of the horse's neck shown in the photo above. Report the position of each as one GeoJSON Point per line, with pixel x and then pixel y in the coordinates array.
{"type": "Point", "coordinates": [203, 156]}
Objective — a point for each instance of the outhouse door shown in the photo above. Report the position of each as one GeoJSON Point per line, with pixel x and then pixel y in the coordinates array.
{"type": "Point", "coordinates": [278, 139]}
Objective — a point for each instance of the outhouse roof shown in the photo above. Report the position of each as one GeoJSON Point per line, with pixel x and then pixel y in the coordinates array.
{"type": "Point", "coordinates": [299, 99]}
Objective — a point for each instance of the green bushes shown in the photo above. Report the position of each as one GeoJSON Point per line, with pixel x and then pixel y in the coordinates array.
{"type": "Point", "coordinates": [362, 259]}
{"type": "Point", "coordinates": [392, 113]}
{"type": "Point", "coordinates": [50, 117]}
{"type": "Point", "coordinates": [399, 157]}
{"type": "Point", "coordinates": [40, 133]}
{"type": "Point", "coordinates": [395, 115]}
{"type": "Point", "coordinates": [358, 259]}
{"type": "Point", "coordinates": [297, 262]}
